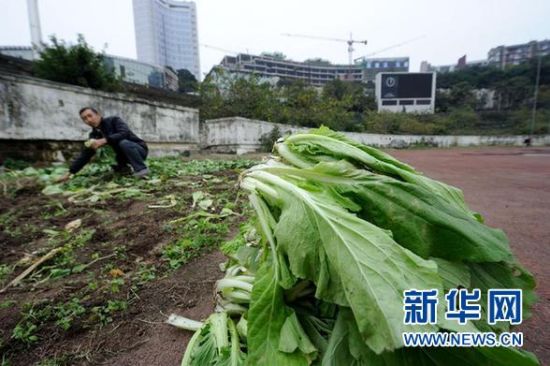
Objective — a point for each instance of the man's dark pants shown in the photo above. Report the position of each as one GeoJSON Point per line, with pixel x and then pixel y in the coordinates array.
{"type": "Point", "coordinates": [129, 152]}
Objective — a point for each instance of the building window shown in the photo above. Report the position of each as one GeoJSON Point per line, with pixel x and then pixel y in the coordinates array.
{"type": "Point", "coordinates": [385, 64]}
{"type": "Point", "coordinates": [397, 64]}
{"type": "Point", "coordinates": [377, 64]}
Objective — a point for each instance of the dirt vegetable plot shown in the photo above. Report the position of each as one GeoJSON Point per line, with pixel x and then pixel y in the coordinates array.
{"type": "Point", "coordinates": [123, 254]}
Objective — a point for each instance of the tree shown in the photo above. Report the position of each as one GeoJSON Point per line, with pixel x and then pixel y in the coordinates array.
{"type": "Point", "coordinates": [75, 64]}
{"type": "Point", "coordinates": [514, 92]}
{"type": "Point", "coordinates": [513, 85]}
{"type": "Point", "coordinates": [317, 62]}
{"type": "Point", "coordinates": [544, 97]}
{"type": "Point", "coordinates": [300, 104]}
{"type": "Point", "coordinates": [212, 103]}
{"type": "Point", "coordinates": [186, 81]}
{"type": "Point", "coordinates": [249, 98]}
{"type": "Point", "coordinates": [462, 94]}
{"type": "Point", "coordinates": [354, 93]}
{"type": "Point", "coordinates": [279, 56]}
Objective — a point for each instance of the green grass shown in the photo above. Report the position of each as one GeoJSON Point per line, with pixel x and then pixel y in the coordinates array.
{"type": "Point", "coordinates": [34, 317]}
{"type": "Point", "coordinates": [55, 361]}
{"type": "Point", "coordinates": [200, 235]}
{"type": "Point", "coordinates": [7, 304]}
{"type": "Point", "coordinates": [104, 313]}
{"type": "Point", "coordinates": [66, 313]}
{"type": "Point", "coordinates": [5, 271]}
{"type": "Point", "coordinates": [145, 273]}
{"type": "Point", "coordinates": [64, 263]}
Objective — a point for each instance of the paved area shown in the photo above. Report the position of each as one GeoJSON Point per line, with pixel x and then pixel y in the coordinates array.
{"type": "Point", "coordinates": [510, 187]}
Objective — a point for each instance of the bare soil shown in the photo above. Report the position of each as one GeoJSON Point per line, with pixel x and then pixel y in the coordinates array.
{"type": "Point", "coordinates": [509, 186]}
{"type": "Point", "coordinates": [136, 335]}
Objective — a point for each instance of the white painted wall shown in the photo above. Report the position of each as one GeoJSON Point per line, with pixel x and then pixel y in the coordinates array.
{"type": "Point", "coordinates": [238, 134]}
{"type": "Point", "coordinates": [35, 109]}
{"type": "Point", "coordinates": [241, 135]}
{"type": "Point", "coordinates": [381, 140]}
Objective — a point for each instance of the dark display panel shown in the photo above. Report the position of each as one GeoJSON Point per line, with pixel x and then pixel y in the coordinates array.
{"type": "Point", "coordinates": [407, 85]}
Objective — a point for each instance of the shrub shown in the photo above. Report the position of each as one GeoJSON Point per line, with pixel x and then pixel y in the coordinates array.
{"type": "Point", "coordinates": [267, 140]}
{"type": "Point", "coordinates": [463, 119]}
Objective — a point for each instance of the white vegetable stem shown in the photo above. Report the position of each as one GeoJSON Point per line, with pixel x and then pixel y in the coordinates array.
{"type": "Point", "coordinates": [183, 323]}
{"type": "Point", "coordinates": [232, 309]}
{"type": "Point", "coordinates": [233, 283]}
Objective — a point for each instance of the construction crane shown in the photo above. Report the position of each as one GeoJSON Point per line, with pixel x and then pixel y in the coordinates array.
{"type": "Point", "coordinates": [349, 41]}
{"type": "Point", "coordinates": [219, 49]}
{"type": "Point", "coordinates": [390, 47]}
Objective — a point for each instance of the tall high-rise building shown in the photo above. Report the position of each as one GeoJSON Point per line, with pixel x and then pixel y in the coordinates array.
{"type": "Point", "coordinates": [166, 34]}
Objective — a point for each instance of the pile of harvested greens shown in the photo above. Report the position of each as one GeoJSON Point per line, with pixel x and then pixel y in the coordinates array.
{"type": "Point", "coordinates": [345, 230]}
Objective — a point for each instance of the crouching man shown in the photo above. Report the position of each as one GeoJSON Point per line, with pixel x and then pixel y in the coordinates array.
{"type": "Point", "coordinates": [112, 131]}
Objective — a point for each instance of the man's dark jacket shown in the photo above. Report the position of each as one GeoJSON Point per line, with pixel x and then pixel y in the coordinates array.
{"type": "Point", "coordinates": [114, 129]}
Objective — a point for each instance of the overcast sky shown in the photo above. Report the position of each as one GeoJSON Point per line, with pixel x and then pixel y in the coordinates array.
{"type": "Point", "coordinates": [450, 28]}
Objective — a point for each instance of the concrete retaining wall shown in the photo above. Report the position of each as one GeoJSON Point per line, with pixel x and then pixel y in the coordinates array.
{"type": "Point", "coordinates": [36, 109]}
{"type": "Point", "coordinates": [403, 141]}
{"type": "Point", "coordinates": [240, 135]}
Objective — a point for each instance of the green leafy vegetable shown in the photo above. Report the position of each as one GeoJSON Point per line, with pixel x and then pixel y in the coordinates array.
{"type": "Point", "coordinates": [346, 229]}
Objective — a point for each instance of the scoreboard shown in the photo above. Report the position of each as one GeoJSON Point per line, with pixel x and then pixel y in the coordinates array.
{"type": "Point", "coordinates": [406, 91]}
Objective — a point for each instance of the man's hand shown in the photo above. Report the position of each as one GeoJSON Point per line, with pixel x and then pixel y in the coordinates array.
{"type": "Point", "coordinates": [65, 177]}
{"type": "Point", "coordinates": [96, 144]}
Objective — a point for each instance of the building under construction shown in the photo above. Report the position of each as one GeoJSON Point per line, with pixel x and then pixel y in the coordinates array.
{"type": "Point", "coordinates": [315, 74]}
